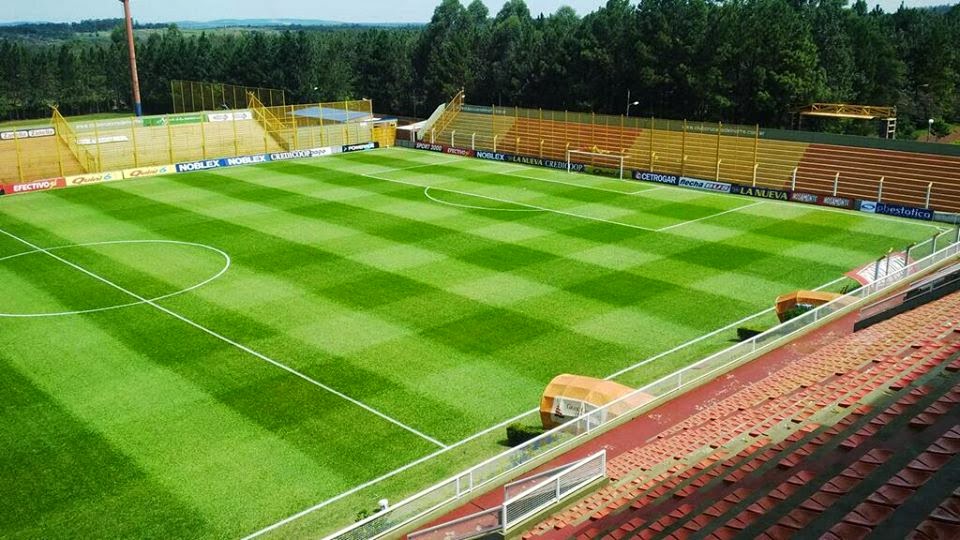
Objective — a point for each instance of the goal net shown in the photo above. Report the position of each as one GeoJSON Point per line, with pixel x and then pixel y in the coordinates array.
{"type": "Point", "coordinates": [606, 162]}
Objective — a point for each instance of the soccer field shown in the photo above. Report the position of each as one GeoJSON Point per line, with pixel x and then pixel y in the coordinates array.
{"type": "Point", "coordinates": [205, 354]}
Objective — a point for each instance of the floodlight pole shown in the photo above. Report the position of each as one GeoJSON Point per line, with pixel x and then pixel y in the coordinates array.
{"type": "Point", "coordinates": [134, 79]}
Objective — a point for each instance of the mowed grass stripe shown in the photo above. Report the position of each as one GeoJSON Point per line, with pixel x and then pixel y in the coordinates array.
{"type": "Point", "coordinates": [322, 273]}
{"type": "Point", "coordinates": [312, 410]}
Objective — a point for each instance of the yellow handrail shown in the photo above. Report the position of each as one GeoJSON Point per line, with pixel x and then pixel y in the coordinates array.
{"type": "Point", "coordinates": [69, 137]}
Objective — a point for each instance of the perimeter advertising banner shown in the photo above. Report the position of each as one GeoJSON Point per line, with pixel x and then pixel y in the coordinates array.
{"type": "Point", "coordinates": [896, 210]}
{"type": "Point", "coordinates": [359, 147]}
{"type": "Point", "coordinates": [761, 192]}
{"type": "Point", "coordinates": [27, 133]}
{"type": "Point", "coordinates": [93, 178]}
{"type": "Point", "coordinates": [29, 187]}
{"type": "Point", "coordinates": [656, 178]}
{"type": "Point", "coordinates": [705, 185]}
{"type": "Point", "coordinates": [444, 149]}
{"type": "Point", "coordinates": [146, 172]}
{"type": "Point", "coordinates": [230, 116]}
{"type": "Point", "coordinates": [821, 200]}
{"type": "Point", "coordinates": [207, 164]}
{"type": "Point", "coordinates": [527, 160]}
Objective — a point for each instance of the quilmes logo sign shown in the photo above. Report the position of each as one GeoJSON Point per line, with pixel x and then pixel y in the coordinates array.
{"type": "Point", "coordinates": [869, 207]}
{"type": "Point", "coordinates": [144, 172]}
{"type": "Point", "coordinates": [86, 179]}
{"type": "Point", "coordinates": [656, 177]}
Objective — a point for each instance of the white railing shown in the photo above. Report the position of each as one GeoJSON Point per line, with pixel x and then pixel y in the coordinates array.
{"type": "Point", "coordinates": [428, 125]}
{"type": "Point", "coordinates": [472, 526]}
{"type": "Point", "coordinates": [530, 502]}
{"type": "Point", "coordinates": [512, 462]}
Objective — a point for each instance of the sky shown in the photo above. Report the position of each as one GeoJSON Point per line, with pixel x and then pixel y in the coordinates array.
{"type": "Point", "coordinates": [352, 11]}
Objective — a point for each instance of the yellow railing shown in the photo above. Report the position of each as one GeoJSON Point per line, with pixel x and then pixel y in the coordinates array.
{"type": "Point", "coordinates": [66, 134]}
{"type": "Point", "coordinates": [273, 125]}
{"type": "Point", "coordinates": [452, 110]}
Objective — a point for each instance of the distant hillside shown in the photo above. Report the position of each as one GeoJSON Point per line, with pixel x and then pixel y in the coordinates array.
{"type": "Point", "coordinates": [272, 23]}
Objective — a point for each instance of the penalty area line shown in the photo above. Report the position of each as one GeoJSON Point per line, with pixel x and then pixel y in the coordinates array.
{"type": "Point", "coordinates": [226, 340]}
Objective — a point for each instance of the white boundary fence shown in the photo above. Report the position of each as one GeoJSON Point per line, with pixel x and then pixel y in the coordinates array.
{"type": "Point", "coordinates": [512, 462]}
{"type": "Point", "coordinates": [549, 492]}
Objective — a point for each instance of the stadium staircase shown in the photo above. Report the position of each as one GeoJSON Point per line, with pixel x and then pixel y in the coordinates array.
{"type": "Point", "coordinates": [906, 175]}
{"type": "Point", "coordinates": [858, 437]}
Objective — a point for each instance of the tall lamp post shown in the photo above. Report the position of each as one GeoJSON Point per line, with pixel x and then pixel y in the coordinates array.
{"type": "Point", "coordinates": [134, 79]}
{"type": "Point", "coordinates": [930, 130]}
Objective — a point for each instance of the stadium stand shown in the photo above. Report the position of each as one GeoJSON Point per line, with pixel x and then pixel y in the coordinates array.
{"type": "Point", "coordinates": [710, 151]}
{"type": "Point", "coordinates": [858, 436]}
{"type": "Point", "coordinates": [906, 175]}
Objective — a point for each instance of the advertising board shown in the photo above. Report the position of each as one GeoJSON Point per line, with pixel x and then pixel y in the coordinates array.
{"type": "Point", "coordinates": [896, 210]}
{"type": "Point", "coordinates": [359, 147]}
{"type": "Point", "coordinates": [146, 172]}
{"type": "Point", "coordinates": [230, 116]}
{"type": "Point", "coordinates": [37, 185]}
{"type": "Point", "coordinates": [704, 185]}
{"type": "Point", "coordinates": [92, 178]}
{"type": "Point", "coordinates": [657, 178]}
{"type": "Point", "coordinates": [27, 133]}
{"type": "Point", "coordinates": [762, 192]}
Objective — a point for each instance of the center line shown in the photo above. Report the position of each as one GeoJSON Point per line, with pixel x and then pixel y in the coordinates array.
{"type": "Point", "coordinates": [225, 339]}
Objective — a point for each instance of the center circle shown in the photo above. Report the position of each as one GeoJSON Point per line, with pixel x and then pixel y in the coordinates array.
{"type": "Point", "coordinates": [223, 255]}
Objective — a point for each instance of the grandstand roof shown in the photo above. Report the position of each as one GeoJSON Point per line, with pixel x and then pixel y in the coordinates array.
{"type": "Point", "coordinates": [333, 115]}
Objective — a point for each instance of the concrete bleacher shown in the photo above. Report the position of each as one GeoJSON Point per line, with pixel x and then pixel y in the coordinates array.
{"type": "Point", "coordinates": [858, 435]}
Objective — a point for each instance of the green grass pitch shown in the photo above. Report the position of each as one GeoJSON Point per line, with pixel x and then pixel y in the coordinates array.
{"type": "Point", "coordinates": [206, 354]}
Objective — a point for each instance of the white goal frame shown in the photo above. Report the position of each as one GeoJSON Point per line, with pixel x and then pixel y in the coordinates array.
{"type": "Point", "coordinates": [619, 157]}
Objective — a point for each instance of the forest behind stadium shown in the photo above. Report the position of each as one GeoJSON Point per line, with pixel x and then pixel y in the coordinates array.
{"type": "Point", "coordinates": [744, 61]}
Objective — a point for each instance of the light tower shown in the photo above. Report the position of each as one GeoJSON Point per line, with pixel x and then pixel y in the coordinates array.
{"type": "Point", "coordinates": [134, 79]}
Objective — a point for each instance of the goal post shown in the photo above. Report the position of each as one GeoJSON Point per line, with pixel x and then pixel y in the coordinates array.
{"type": "Point", "coordinates": [611, 161]}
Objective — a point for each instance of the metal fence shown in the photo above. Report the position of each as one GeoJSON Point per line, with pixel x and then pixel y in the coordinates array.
{"type": "Point", "coordinates": [513, 462]}
{"type": "Point", "coordinates": [193, 96]}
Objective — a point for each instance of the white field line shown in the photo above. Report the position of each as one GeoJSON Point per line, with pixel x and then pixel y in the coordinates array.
{"type": "Point", "coordinates": [551, 210]}
{"type": "Point", "coordinates": [216, 276]}
{"type": "Point", "coordinates": [711, 216]}
{"type": "Point", "coordinates": [479, 434]}
{"type": "Point", "coordinates": [226, 340]}
{"type": "Point", "coordinates": [386, 476]}
{"type": "Point", "coordinates": [426, 193]}
{"type": "Point", "coordinates": [794, 205]}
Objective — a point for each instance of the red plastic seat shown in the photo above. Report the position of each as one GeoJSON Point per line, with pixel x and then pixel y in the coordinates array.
{"type": "Point", "coordinates": [868, 514]}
